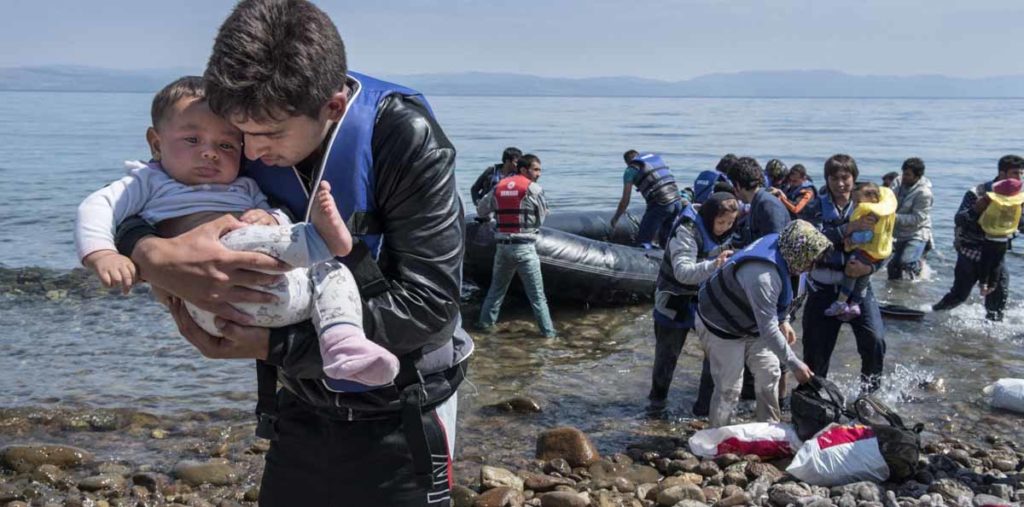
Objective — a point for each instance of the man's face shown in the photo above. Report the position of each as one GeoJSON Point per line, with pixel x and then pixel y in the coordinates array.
{"type": "Point", "coordinates": [840, 183]}
{"type": "Point", "coordinates": [289, 140]}
{"type": "Point", "coordinates": [909, 178]}
{"type": "Point", "coordinates": [532, 172]}
{"type": "Point", "coordinates": [1012, 174]}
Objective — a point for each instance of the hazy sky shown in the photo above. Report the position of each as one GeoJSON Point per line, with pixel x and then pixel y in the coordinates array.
{"type": "Point", "coordinates": [663, 39]}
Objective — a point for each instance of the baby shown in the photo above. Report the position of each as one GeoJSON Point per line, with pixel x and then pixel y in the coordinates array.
{"type": "Point", "coordinates": [193, 179]}
{"type": "Point", "coordinates": [868, 249]}
{"type": "Point", "coordinates": [1000, 215]}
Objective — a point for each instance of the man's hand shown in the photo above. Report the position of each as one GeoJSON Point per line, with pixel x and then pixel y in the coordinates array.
{"type": "Point", "coordinates": [802, 373]}
{"type": "Point", "coordinates": [722, 258]}
{"type": "Point", "coordinates": [982, 204]}
{"type": "Point", "coordinates": [788, 332]}
{"type": "Point", "coordinates": [113, 269]}
{"type": "Point", "coordinates": [864, 223]}
{"type": "Point", "coordinates": [238, 342]}
{"type": "Point", "coordinates": [775, 191]}
{"type": "Point", "coordinates": [195, 266]}
{"type": "Point", "coordinates": [258, 217]}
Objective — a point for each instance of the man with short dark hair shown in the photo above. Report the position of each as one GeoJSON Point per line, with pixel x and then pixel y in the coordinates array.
{"type": "Point", "coordinates": [767, 214]}
{"type": "Point", "coordinates": [831, 214]}
{"type": "Point", "coordinates": [653, 179]}
{"type": "Point", "coordinates": [913, 230]}
{"type": "Point", "coordinates": [278, 72]}
{"type": "Point", "coordinates": [968, 240]}
{"type": "Point", "coordinates": [495, 173]}
{"type": "Point", "coordinates": [518, 201]}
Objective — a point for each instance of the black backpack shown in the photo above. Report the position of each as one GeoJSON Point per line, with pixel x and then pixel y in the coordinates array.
{"type": "Point", "coordinates": [816, 404]}
{"type": "Point", "coordinates": [899, 445]}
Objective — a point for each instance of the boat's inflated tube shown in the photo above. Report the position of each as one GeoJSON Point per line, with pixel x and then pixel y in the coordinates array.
{"type": "Point", "coordinates": [578, 262]}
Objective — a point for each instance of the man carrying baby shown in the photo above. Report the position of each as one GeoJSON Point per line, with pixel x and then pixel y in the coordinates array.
{"type": "Point", "coordinates": [278, 72]}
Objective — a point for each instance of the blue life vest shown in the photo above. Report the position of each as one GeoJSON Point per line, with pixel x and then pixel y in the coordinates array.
{"type": "Point", "coordinates": [704, 185]}
{"type": "Point", "coordinates": [793, 195]}
{"type": "Point", "coordinates": [683, 295]}
{"type": "Point", "coordinates": [348, 166]}
{"type": "Point", "coordinates": [654, 180]}
{"type": "Point", "coordinates": [830, 218]}
{"type": "Point", "coordinates": [722, 301]}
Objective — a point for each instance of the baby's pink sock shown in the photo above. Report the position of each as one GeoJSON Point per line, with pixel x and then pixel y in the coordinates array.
{"type": "Point", "coordinates": [349, 355]}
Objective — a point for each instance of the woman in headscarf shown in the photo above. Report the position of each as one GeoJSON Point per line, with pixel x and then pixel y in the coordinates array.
{"type": "Point", "coordinates": [697, 246]}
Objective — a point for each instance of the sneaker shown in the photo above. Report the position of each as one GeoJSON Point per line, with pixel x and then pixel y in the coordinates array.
{"type": "Point", "coordinates": [851, 313]}
{"type": "Point", "coordinates": [994, 315]}
{"type": "Point", "coordinates": [837, 308]}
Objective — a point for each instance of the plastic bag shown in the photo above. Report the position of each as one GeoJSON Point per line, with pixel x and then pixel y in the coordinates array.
{"type": "Point", "coordinates": [840, 454]}
{"type": "Point", "coordinates": [767, 440]}
{"type": "Point", "coordinates": [1007, 393]}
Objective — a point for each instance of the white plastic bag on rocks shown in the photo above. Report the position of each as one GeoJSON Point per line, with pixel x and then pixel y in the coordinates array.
{"type": "Point", "coordinates": [768, 440]}
{"type": "Point", "coordinates": [840, 454]}
{"type": "Point", "coordinates": [1007, 393]}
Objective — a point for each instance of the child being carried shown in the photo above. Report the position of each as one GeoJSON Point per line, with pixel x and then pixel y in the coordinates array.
{"type": "Point", "coordinates": [1000, 218]}
{"type": "Point", "coordinates": [193, 179]}
{"type": "Point", "coordinates": [868, 249]}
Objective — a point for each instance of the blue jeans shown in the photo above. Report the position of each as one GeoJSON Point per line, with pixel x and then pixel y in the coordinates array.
{"type": "Point", "coordinates": [656, 222]}
{"type": "Point", "coordinates": [821, 334]}
{"type": "Point", "coordinates": [906, 258]}
{"type": "Point", "coordinates": [508, 260]}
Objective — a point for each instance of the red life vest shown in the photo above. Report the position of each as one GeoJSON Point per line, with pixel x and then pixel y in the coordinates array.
{"type": "Point", "coordinates": [509, 194]}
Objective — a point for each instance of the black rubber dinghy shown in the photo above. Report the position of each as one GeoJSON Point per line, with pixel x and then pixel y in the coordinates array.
{"type": "Point", "coordinates": [581, 258]}
{"type": "Point", "coordinates": [900, 312]}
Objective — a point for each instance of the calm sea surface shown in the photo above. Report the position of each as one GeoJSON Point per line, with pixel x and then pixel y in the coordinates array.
{"type": "Point", "coordinates": [68, 345]}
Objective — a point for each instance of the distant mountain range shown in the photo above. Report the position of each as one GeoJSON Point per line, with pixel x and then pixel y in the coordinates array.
{"type": "Point", "coordinates": [795, 83]}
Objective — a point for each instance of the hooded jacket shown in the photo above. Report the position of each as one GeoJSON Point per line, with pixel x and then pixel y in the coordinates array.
{"type": "Point", "coordinates": [913, 213]}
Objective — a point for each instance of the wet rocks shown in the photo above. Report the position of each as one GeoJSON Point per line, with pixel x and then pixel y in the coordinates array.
{"type": "Point", "coordinates": [494, 477]}
{"type": "Point", "coordinates": [216, 472]}
{"type": "Point", "coordinates": [500, 497]}
{"type": "Point", "coordinates": [567, 443]}
{"type": "Point", "coordinates": [564, 499]}
{"type": "Point", "coordinates": [102, 482]}
{"type": "Point", "coordinates": [517, 405]}
{"type": "Point", "coordinates": [952, 490]}
{"type": "Point", "coordinates": [544, 483]}
{"type": "Point", "coordinates": [789, 493]}
{"type": "Point", "coordinates": [25, 458]}
{"type": "Point", "coordinates": [675, 494]}
{"type": "Point", "coordinates": [463, 496]}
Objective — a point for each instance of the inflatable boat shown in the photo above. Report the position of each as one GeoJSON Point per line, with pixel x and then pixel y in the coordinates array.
{"type": "Point", "coordinates": [581, 257]}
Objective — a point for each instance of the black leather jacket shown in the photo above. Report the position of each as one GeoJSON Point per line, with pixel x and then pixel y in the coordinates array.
{"type": "Point", "coordinates": [423, 245]}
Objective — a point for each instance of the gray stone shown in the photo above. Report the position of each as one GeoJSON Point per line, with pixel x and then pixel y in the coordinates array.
{"type": "Point", "coordinates": [102, 482]}
{"type": "Point", "coordinates": [25, 458]}
{"type": "Point", "coordinates": [216, 472]}
{"type": "Point", "coordinates": [48, 474]}
{"type": "Point", "coordinates": [734, 500]}
{"type": "Point", "coordinates": [712, 494]}
{"type": "Point", "coordinates": [675, 494]}
{"type": "Point", "coordinates": [495, 477]}
{"type": "Point", "coordinates": [558, 465]}
{"type": "Point", "coordinates": [624, 485]}
{"type": "Point", "coordinates": [952, 490]}
{"type": "Point", "coordinates": [708, 468]}
{"type": "Point", "coordinates": [463, 496]}
{"type": "Point", "coordinates": [988, 501]}
{"type": "Point", "coordinates": [690, 503]}
{"type": "Point", "coordinates": [500, 497]}
{"type": "Point", "coordinates": [683, 465]}
{"type": "Point", "coordinates": [563, 499]}
{"type": "Point", "coordinates": [817, 501]}
{"type": "Point", "coordinates": [735, 478]}
{"type": "Point", "coordinates": [727, 459]}
{"type": "Point", "coordinates": [544, 483]}
{"type": "Point", "coordinates": [788, 493]}
{"type": "Point", "coordinates": [864, 491]}
{"type": "Point", "coordinates": [567, 443]}
{"type": "Point", "coordinates": [643, 491]}
{"type": "Point", "coordinates": [771, 472]}
{"type": "Point", "coordinates": [518, 405]}
{"type": "Point", "coordinates": [912, 489]}
{"type": "Point", "coordinates": [847, 500]}
{"type": "Point", "coordinates": [1004, 491]}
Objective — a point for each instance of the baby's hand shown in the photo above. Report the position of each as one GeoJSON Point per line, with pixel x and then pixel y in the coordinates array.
{"type": "Point", "coordinates": [112, 268]}
{"type": "Point", "coordinates": [258, 217]}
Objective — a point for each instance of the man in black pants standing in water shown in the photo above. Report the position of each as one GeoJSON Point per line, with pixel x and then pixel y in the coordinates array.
{"type": "Point", "coordinates": [278, 72]}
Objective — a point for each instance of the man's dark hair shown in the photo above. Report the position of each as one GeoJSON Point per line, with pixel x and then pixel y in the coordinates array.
{"type": "Point", "coordinates": [526, 161]}
{"type": "Point", "coordinates": [273, 57]}
{"type": "Point", "coordinates": [187, 87]}
{"type": "Point", "coordinates": [511, 153]}
{"type": "Point", "coordinates": [890, 176]}
{"type": "Point", "coordinates": [726, 163]}
{"type": "Point", "coordinates": [798, 169]}
{"type": "Point", "coordinates": [1009, 162]}
{"type": "Point", "coordinates": [747, 173]}
{"type": "Point", "coordinates": [776, 169]}
{"type": "Point", "coordinates": [841, 162]}
{"type": "Point", "coordinates": [915, 165]}
{"type": "Point", "coordinates": [630, 155]}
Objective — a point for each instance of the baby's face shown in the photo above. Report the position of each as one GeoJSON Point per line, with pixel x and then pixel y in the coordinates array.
{"type": "Point", "coordinates": [866, 196]}
{"type": "Point", "coordinates": [196, 146]}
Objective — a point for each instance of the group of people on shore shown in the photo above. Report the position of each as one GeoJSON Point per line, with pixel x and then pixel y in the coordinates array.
{"type": "Point", "coordinates": [742, 242]}
{"type": "Point", "coordinates": [749, 240]}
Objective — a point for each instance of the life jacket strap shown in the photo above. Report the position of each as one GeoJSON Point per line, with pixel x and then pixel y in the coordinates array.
{"type": "Point", "coordinates": [266, 401]}
{"type": "Point", "coordinates": [367, 274]}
